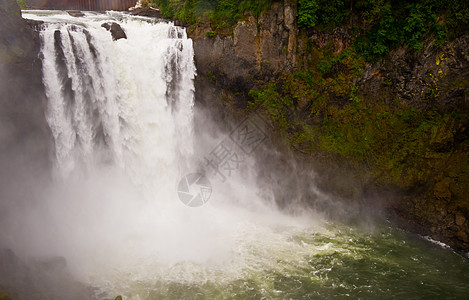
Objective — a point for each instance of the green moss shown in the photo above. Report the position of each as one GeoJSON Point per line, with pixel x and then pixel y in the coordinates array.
{"type": "Point", "coordinates": [211, 76]}
{"type": "Point", "coordinates": [210, 33]}
{"type": "Point", "coordinates": [387, 82]}
{"type": "Point", "coordinates": [400, 144]}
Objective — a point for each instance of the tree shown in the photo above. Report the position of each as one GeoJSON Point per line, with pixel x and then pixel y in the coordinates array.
{"type": "Point", "coordinates": [307, 13]}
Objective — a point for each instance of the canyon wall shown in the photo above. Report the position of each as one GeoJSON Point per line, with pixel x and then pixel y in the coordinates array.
{"type": "Point", "coordinates": [424, 187]}
{"type": "Point", "coordinates": [25, 138]}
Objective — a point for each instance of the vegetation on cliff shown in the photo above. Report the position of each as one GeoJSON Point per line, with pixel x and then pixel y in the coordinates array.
{"type": "Point", "coordinates": [380, 85]}
{"type": "Point", "coordinates": [381, 25]}
{"type": "Point", "coordinates": [398, 128]}
{"type": "Point", "coordinates": [219, 13]}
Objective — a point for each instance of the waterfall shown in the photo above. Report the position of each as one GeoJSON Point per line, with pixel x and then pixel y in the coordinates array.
{"type": "Point", "coordinates": [122, 116]}
{"type": "Point", "coordinates": [126, 103]}
{"type": "Point", "coordinates": [111, 221]}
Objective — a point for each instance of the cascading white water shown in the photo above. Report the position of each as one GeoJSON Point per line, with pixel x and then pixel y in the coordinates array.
{"type": "Point", "coordinates": [121, 114]}
{"type": "Point", "coordinates": [123, 99]}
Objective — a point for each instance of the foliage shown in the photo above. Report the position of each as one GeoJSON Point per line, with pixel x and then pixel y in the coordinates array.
{"type": "Point", "coordinates": [403, 23]}
{"type": "Point", "coordinates": [332, 12]}
{"type": "Point", "coordinates": [387, 24]}
{"type": "Point", "coordinates": [324, 12]}
{"type": "Point", "coordinates": [220, 13]}
{"type": "Point", "coordinates": [381, 25]}
{"type": "Point", "coordinates": [210, 33]}
{"type": "Point", "coordinates": [404, 144]}
{"type": "Point", "coordinates": [321, 109]}
{"type": "Point", "coordinates": [274, 104]}
{"type": "Point", "coordinates": [307, 13]}
{"type": "Point", "coordinates": [458, 16]}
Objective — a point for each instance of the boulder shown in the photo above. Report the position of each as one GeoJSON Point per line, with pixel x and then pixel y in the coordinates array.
{"type": "Point", "coordinates": [116, 31]}
{"type": "Point", "coordinates": [75, 13]}
{"type": "Point", "coordinates": [147, 12]}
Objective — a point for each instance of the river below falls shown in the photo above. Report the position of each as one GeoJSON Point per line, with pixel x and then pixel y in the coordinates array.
{"type": "Point", "coordinates": [335, 262]}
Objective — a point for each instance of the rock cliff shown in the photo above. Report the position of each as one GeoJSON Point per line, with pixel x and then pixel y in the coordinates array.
{"type": "Point", "coordinates": [411, 104]}
{"type": "Point", "coordinates": [434, 197]}
{"type": "Point", "coordinates": [256, 49]}
{"type": "Point", "coordinates": [24, 132]}
{"type": "Point", "coordinates": [25, 139]}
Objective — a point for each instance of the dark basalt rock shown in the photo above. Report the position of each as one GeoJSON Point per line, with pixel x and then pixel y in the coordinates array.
{"type": "Point", "coordinates": [75, 13]}
{"type": "Point", "coordinates": [26, 134]}
{"type": "Point", "coordinates": [180, 23]}
{"type": "Point", "coordinates": [45, 278]}
{"type": "Point", "coordinates": [25, 137]}
{"type": "Point", "coordinates": [147, 12]}
{"type": "Point", "coordinates": [34, 24]}
{"type": "Point", "coordinates": [260, 50]}
{"type": "Point", "coordinates": [257, 49]}
{"type": "Point", "coordinates": [116, 31]}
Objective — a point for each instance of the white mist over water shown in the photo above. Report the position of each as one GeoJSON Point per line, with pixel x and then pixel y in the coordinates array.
{"type": "Point", "coordinates": [121, 114]}
{"type": "Point", "coordinates": [111, 217]}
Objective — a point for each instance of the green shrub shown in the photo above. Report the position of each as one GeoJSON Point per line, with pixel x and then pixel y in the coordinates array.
{"type": "Point", "coordinates": [307, 13]}
{"type": "Point", "coordinates": [332, 12]}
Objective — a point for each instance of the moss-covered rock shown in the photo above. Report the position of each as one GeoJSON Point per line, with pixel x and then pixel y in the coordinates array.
{"type": "Point", "coordinates": [389, 134]}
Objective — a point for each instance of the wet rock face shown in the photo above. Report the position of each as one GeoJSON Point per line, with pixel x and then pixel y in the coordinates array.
{"type": "Point", "coordinates": [22, 98]}
{"type": "Point", "coordinates": [116, 31]}
{"type": "Point", "coordinates": [46, 278]}
{"type": "Point", "coordinates": [432, 80]}
{"type": "Point", "coordinates": [25, 138]}
{"type": "Point", "coordinates": [441, 220]}
{"type": "Point", "coordinates": [258, 49]}
{"type": "Point", "coordinates": [436, 79]}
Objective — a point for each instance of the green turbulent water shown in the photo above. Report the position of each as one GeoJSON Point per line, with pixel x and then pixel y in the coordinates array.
{"type": "Point", "coordinates": [335, 263]}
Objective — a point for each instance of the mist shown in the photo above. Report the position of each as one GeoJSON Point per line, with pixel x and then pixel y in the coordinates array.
{"type": "Point", "coordinates": [98, 225]}
{"type": "Point", "coordinates": [101, 209]}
